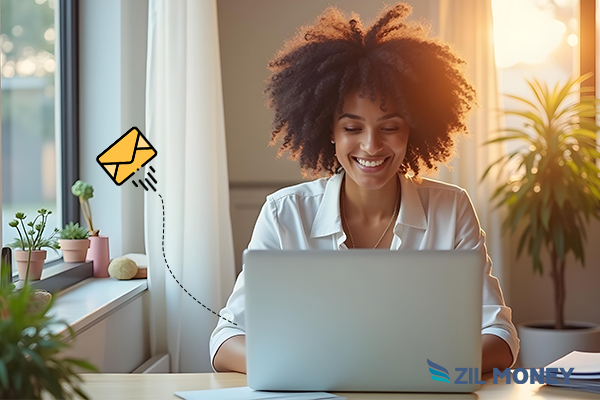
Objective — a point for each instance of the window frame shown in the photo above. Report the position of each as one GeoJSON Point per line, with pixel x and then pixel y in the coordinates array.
{"type": "Point", "coordinates": [60, 274]}
{"type": "Point", "coordinates": [69, 105]}
{"type": "Point", "coordinates": [587, 36]}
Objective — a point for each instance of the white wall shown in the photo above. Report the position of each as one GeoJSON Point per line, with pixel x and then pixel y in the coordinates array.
{"type": "Point", "coordinates": [532, 296]}
{"type": "Point", "coordinates": [110, 347]}
{"type": "Point", "coordinates": [112, 86]}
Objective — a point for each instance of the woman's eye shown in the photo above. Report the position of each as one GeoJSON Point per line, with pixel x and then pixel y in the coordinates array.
{"type": "Point", "coordinates": [383, 129]}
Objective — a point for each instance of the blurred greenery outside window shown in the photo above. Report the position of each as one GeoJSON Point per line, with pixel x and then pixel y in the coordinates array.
{"type": "Point", "coordinates": [30, 144]}
{"type": "Point", "coordinates": [533, 38]}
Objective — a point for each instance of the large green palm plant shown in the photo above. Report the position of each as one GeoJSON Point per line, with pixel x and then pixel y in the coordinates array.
{"type": "Point", "coordinates": [556, 181]}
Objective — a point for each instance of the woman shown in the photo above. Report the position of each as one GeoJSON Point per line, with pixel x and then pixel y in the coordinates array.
{"type": "Point", "coordinates": [370, 109]}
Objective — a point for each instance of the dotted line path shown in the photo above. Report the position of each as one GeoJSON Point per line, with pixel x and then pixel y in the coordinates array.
{"type": "Point", "coordinates": [167, 264]}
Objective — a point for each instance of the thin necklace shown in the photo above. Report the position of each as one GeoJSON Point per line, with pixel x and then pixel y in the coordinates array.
{"type": "Point", "coordinates": [389, 223]}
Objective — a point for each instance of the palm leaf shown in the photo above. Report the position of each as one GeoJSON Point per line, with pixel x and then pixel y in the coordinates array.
{"type": "Point", "coordinates": [528, 115]}
{"type": "Point", "coordinates": [522, 100]}
{"type": "Point", "coordinates": [524, 236]}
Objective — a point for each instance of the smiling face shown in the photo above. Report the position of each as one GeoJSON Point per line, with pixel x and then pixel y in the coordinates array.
{"type": "Point", "coordinates": [369, 143]}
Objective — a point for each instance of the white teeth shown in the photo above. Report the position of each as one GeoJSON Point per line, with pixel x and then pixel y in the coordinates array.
{"type": "Point", "coordinates": [369, 163]}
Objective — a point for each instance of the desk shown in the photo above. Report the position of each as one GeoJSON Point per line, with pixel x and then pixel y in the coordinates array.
{"type": "Point", "coordinates": [162, 386]}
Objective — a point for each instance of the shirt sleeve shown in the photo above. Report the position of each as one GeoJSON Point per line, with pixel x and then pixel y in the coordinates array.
{"type": "Point", "coordinates": [265, 236]}
{"type": "Point", "coordinates": [496, 316]}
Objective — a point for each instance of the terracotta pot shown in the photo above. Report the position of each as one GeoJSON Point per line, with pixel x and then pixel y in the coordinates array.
{"type": "Point", "coordinates": [74, 250]}
{"type": "Point", "coordinates": [540, 344]}
{"type": "Point", "coordinates": [36, 264]}
{"type": "Point", "coordinates": [99, 254]}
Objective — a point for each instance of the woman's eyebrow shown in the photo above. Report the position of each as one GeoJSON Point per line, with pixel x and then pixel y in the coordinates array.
{"type": "Point", "coordinates": [353, 116]}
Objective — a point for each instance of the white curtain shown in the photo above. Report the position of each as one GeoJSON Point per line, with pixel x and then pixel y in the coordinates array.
{"type": "Point", "coordinates": [467, 25]}
{"type": "Point", "coordinates": [185, 123]}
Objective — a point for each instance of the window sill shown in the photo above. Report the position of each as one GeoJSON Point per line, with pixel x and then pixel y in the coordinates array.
{"type": "Point", "coordinates": [84, 304]}
{"type": "Point", "coordinates": [87, 302]}
{"type": "Point", "coordinates": [61, 275]}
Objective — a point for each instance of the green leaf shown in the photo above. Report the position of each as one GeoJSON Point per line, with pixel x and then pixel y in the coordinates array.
{"type": "Point", "coordinates": [524, 236]}
{"type": "Point", "coordinates": [537, 265]}
{"type": "Point", "coordinates": [490, 167]}
{"type": "Point", "coordinates": [522, 100]}
{"type": "Point", "coordinates": [80, 393]}
{"type": "Point", "coordinates": [560, 194]}
{"type": "Point", "coordinates": [537, 121]}
{"type": "Point", "coordinates": [534, 219]}
{"type": "Point", "coordinates": [35, 357]}
{"type": "Point", "coordinates": [559, 241]}
{"type": "Point", "coordinates": [511, 137]}
{"type": "Point", "coordinates": [499, 190]}
{"type": "Point", "coordinates": [545, 212]}
{"type": "Point", "coordinates": [520, 211]}
{"type": "Point", "coordinates": [536, 88]}
{"type": "Point", "coordinates": [577, 246]}
{"type": "Point", "coordinates": [3, 376]}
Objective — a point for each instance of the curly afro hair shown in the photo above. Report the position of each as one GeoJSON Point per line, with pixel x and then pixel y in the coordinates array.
{"type": "Point", "coordinates": [422, 77]}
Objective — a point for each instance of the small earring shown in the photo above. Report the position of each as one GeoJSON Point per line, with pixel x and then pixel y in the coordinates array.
{"type": "Point", "coordinates": [332, 142]}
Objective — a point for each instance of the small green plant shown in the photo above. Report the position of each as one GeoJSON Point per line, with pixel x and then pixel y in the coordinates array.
{"type": "Point", "coordinates": [85, 192]}
{"type": "Point", "coordinates": [29, 364]}
{"type": "Point", "coordinates": [74, 232]}
{"type": "Point", "coordinates": [33, 239]}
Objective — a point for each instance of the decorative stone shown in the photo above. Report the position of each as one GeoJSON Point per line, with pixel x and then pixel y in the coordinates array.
{"type": "Point", "coordinates": [122, 268]}
{"type": "Point", "coordinates": [40, 299]}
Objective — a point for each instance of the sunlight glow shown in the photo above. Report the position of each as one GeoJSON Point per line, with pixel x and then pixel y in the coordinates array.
{"type": "Point", "coordinates": [523, 33]}
{"type": "Point", "coordinates": [572, 40]}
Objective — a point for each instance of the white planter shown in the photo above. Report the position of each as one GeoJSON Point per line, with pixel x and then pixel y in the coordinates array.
{"type": "Point", "coordinates": [540, 345]}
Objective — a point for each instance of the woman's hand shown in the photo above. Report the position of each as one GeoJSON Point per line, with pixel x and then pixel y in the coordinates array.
{"type": "Point", "coordinates": [231, 356]}
{"type": "Point", "coordinates": [495, 354]}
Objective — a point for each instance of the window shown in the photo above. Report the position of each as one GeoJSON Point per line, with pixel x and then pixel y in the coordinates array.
{"type": "Point", "coordinates": [535, 38]}
{"type": "Point", "coordinates": [29, 144]}
{"type": "Point", "coordinates": [541, 39]}
{"type": "Point", "coordinates": [39, 112]}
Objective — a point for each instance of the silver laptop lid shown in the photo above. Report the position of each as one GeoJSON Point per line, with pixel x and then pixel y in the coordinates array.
{"type": "Point", "coordinates": [362, 320]}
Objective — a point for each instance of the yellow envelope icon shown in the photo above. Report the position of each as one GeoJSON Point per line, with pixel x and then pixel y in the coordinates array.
{"type": "Point", "coordinates": [126, 155]}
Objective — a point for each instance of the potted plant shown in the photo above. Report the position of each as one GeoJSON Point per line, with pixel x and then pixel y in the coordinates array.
{"type": "Point", "coordinates": [555, 184]}
{"type": "Point", "coordinates": [74, 242]}
{"type": "Point", "coordinates": [29, 365]}
{"type": "Point", "coordinates": [98, 252]}
{"type": "Point", "coordinates": [84, 191]}
{"type": "Point", "coordinates": [30, 258]}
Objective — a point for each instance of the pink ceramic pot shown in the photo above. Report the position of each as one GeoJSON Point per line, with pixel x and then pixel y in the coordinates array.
{"type": "Point", "coordinates": [99, 253]}
{"type": "Point", "coordinates": [74, 250]}
{"type": "Point", "coordinates": [36, 264]}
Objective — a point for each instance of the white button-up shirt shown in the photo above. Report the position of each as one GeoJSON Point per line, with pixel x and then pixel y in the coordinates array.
{"type": "Point", "coordinates": [433, 215]}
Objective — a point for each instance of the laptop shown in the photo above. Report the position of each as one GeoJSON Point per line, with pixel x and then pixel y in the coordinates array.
{"type": "Point", "coordinates": [363, 320]}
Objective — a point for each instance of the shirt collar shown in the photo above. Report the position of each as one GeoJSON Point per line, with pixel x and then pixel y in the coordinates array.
{"type": "Point", "coordinates": [328, 220]}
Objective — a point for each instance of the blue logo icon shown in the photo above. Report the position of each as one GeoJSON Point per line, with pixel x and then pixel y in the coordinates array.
{"type": "Point", "coordinates": [438, 373]}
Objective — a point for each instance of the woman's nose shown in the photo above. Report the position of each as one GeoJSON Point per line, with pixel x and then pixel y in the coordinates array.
{"type": "Point", "coordinates": [372, 142]}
